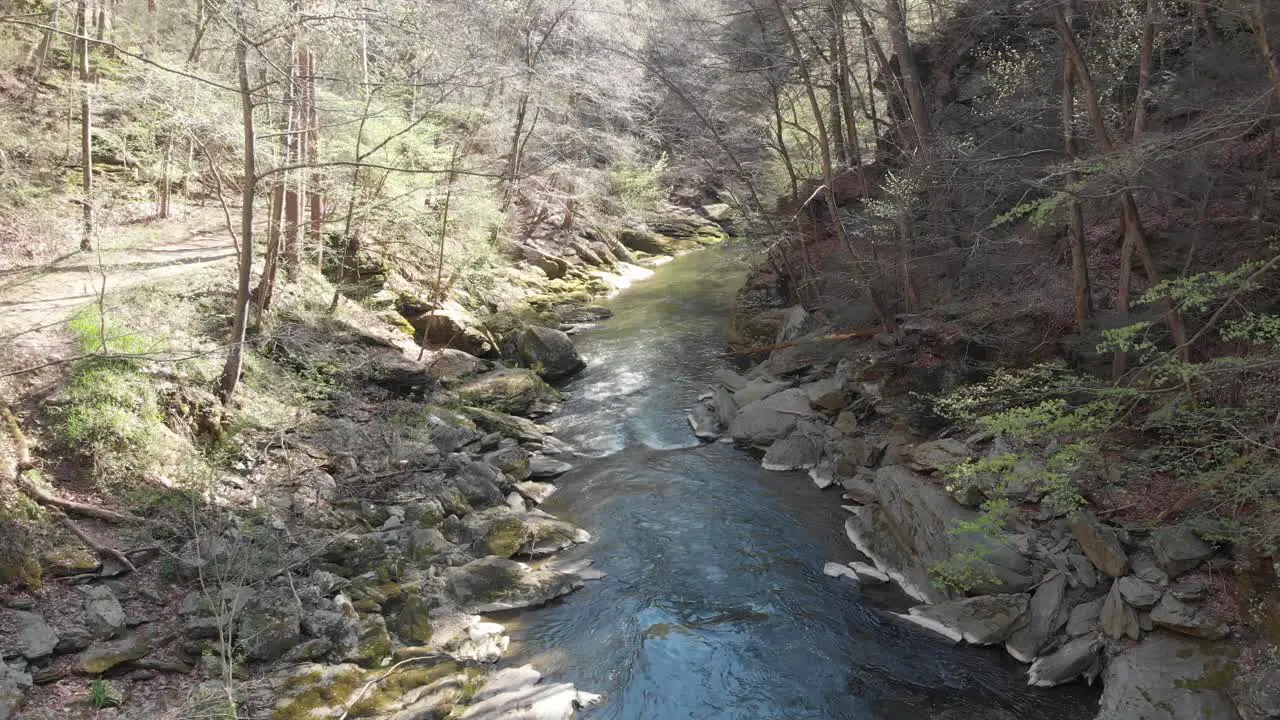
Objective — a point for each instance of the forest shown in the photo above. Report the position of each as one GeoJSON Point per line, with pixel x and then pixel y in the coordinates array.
{"type": "Point", "coordinates": [292, 291]}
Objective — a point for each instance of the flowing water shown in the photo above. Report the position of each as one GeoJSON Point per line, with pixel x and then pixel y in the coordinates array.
{"type": "Point", "coordinates": [715, 605]}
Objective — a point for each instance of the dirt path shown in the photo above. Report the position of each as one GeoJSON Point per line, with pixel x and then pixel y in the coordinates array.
{"type": "Point", "coordinates": [38, 299]}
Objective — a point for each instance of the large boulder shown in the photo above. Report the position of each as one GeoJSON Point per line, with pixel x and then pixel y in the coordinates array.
{"type": "Point", "coordinates": [103, 615]}
{"type": "Point", "coordinates": [451, 364]}
{"type": "Point", "coordinates": [1080, 656]}
{"type": "Point", "coordinates": [939, 454]}
{"type": "Point", "coordinates": [1178, 549]}
{"type": "Point", "coordinates": [453, 327]}
{"type": "Point", "coordinates": [515, 391]}
{"type": "Point", "coordinates": [765, 421]}
{"type": "Point", "coordinates": [1045, 614]}
{"type": "Point", "coordinates": [800, 450]}
{"type": "Point", "coordinates": [1187, 619]}
{"type": "Point", "coordinates": [29, 635]}
{"type": "Point", "coordinates": [981, 620]}
{"type": "Point", "coordinates": [270, 625]}
{"type": "Point", "coordinates": [913, 529]}
{"type": "Point", "coordinates": [104, 656]}
{"type": "Point", "coordinates": [1168, 677]}
{"type": "Point", "coordinates": [1100, 544]}
{"type": "Point", "coordinates": [492, 584]}
{"type": "Point", "coordinates": [548, 351]}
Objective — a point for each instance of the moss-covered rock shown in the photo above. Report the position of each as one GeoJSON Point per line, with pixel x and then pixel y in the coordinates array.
{"type": "Point", "coordinates": [102, 657]}
{"type": "Point", "coordinates": [411, 621]}
{"type": "Point", "coordinates": [327, 691]}
{"type": "Point", "coordinates": [503, 537]}
{"type": "Point", "coordinates": [375, 641]}
{"type": "Point", "coordinates": [514, 391]}
{"type": "Point", "coordinates": [69, 560]}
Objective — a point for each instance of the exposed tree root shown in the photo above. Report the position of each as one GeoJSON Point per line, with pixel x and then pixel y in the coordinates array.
{"type": "Point", "coordinates": [32, 489]}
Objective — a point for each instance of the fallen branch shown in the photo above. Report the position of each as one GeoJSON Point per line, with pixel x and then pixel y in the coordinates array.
{"type": "Point", "coordinates": [102, 550]}
{"type": "Point", "coordinates": [851, 335]}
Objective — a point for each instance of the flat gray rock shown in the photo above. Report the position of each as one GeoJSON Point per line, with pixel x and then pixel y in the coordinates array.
{"type": "Point", "coordinates": [1178, 549]}
{"type": "Point", "coordinates": [1045, 614]}
{"type": "Point", "coordinates": [1168, 677]}
{"type": "Point", "coordinates": [800, 450]}
{"type": "Point", "coordinates": [494, 583]}
{"type": "Point", "coordinates": [1080, 656]}
{"type": "Point", "coordinates": [1187, 619]}
{"type": "Point", "coordinates": [32, 637]}
{"type": "Point", "coordinates": [771, 419]}
{"type": "Point", "coordinates": [1139, 593]}
{"type": "Point", "coordinates": [518, 694]}
{"type": "Point", "coordinates": [981, 620]}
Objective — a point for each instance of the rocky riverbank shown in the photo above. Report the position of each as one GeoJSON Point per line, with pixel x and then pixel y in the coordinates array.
{"type": "Point", "coordinates": [1074, 597]}
{"type": "Point", "coordinates": [343, 562]}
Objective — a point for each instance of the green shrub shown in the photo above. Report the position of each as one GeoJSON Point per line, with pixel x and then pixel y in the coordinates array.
{"type": "Point", "coordinates": [111, 416]}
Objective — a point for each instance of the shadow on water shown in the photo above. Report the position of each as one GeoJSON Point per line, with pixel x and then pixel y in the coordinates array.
{"type": "Point", "coordinates": [715, 605]}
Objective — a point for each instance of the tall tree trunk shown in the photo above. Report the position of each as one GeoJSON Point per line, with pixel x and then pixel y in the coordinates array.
{"type": "Point", "coordinates": [1269, 55]}
{"type": "Point", "coordinates": [271, 261]}
{"type": "Point", "coordinates": [783, 152]}
{"type": "Point", "coordinates": [166, 181]}
{"type": "Point", "coordinates": [86, 126]}
{"type": "Point", "coordinates": [42, 52]}
{"type": "Point", "coordinates": [240, 322]}
{"type": "Point", "coordinates": [824, 144]}
{"type": "Point", "coordinates": [843, 82]}
{"type": "Point", "coordinates": [1131, 217]}
{"type": "Point", "coordinates": [1079, 257]}
{"type": "Point", "coordinates": [202, 21]}
{"type": "Point", "coordinates": [1206, 21]}
{"type": "Point", "coordinates": [914, 91]}
{"type": "Point", "coordinates": [350, 232]}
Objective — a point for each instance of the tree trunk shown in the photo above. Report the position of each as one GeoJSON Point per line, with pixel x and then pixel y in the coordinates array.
{"type": "Point", "coordinates": [1131, 218]}
{"type": "Point", "coordinates": [1206, 20]}
{"type": "Point", "coordinates": [86, 127]}
{"type": "Point", "coordinates": [824, 144]}
{"type": "Point", "coordinates": [271, 262]}
{"type": "Point", "coordinates": [202, 21]}
{"type": "Point", "coordinates": [842, 80]}
{"type": "Point", "coordinates": [910, 74]}
{"type": "Point", "coordinates": [1269, 55]}
{"type": "Point", "coordinates": [782, 147]}
{"type": "Point", "coordinates": [166, 183]}
{"type": "Point", "coordinates": [1079, 257]}
{"type": "Point", "coordinates": [240, 322]}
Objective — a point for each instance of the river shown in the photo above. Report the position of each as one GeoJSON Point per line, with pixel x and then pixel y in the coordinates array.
{"type": "Point", "coordinates": [715, 606]}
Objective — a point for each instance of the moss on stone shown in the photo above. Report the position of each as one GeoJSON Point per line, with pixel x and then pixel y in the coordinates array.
{"type": "Point", "coordinates": [412, 621]}
{"type": "Point", "coordinates": [504, 537]}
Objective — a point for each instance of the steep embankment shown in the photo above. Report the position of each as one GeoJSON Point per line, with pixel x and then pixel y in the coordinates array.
{"type": "Point", "coordinates": [977, 525]}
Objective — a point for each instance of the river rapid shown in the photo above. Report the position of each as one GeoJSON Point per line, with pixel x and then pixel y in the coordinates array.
{"type": "Point", "coordinates": [715, 606]}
